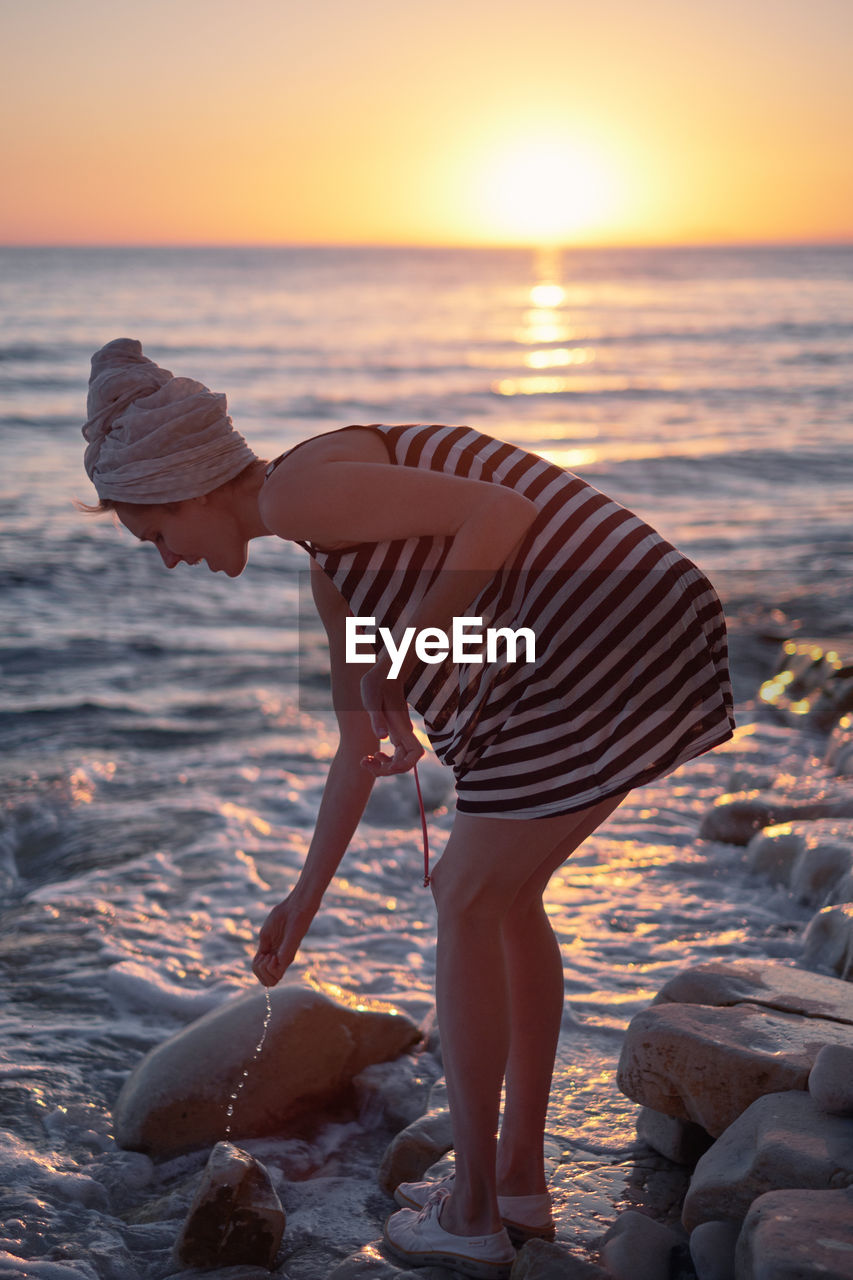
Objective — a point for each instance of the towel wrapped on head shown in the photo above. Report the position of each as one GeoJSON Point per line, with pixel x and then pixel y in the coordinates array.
{"type": "Point", "coordinates": [153, 437]}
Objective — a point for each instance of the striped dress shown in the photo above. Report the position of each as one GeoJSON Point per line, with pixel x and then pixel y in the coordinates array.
{"type": "Point", "coordinates": [630, 677]}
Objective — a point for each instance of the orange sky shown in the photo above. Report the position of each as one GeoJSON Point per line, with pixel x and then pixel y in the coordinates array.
{"type": "Point", "coordinates": [426, 121]}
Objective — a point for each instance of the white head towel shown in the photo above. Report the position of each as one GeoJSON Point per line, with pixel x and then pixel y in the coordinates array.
{"type": "Point", "coordinates": [153, 437]}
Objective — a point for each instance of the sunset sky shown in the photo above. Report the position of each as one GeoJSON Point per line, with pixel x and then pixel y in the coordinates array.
{"type": "Point", "coordinates": [426, 121]}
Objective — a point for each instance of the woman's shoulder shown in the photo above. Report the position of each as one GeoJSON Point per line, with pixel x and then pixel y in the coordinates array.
{"type": "Point", "coordinates": [347, 444]}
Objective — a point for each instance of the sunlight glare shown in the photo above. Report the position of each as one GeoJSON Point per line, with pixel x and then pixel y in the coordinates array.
{"type": "Point", "coordinates": [547, 190]}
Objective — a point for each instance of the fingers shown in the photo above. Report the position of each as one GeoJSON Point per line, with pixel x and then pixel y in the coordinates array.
{"type": "Point", "coordinates": [405, 757]}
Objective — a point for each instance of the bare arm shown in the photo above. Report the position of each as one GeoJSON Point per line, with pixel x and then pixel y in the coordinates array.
{"type": "Point", "coordinates": [345, 795]}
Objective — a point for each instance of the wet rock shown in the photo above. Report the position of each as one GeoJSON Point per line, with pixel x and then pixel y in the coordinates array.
{"type": "Point", "coordinates": [782, 1141]}
{"type": "Point", "coordinates": [712, 1248]}
{"type": "Point", "coordinates": [839, 748]}
{"type": "Point", "coordinates": [415, 1149]}
{"type": "Point", "coordinates": [708, 1064]}
{"type": "Point", "coordinates": [798, 1235]}
{"type": "Point", "coordinates": [236, 1216]}
{"type": "Point", "coordinates": [773, 851]}
{"type": "Point", "coordinates": [370, 1263]}
{"type": "Point", "coordinates": [541, 1260]}
{"type": "Point", "coordinates": [222, 1273]}
{"type": "Point", "coordinates": [734, 818]}
{"type": "Point", "coordinates": [814, 858]}
{"type": "Point", "coordinates": [764, 983]}
{"type": "Point", "coordinates": [828, 940]}
{"type": "Point", "coordinates": [831, 1080]}
{"type": "Point", "coordinates": [638, 1248]}
{"type": "Point", "coordinates": [318, 1040]}
{"type": "Point", "coordinates": [820, 870]}
{"type": "Point", "coordinates": [678, 1140]}
{"type": "Point", "coordinates": [395, 1093]}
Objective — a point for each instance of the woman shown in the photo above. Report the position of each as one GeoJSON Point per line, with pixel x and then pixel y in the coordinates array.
{"type": "Point", "coordinates": [413, 527]}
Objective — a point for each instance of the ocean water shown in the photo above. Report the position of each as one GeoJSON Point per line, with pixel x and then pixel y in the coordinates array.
{"type": "Point", "coordinates": [165, 735]}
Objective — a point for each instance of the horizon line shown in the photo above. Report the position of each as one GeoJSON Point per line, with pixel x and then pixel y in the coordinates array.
{"type": "Point", "coordinates": [424, 246]}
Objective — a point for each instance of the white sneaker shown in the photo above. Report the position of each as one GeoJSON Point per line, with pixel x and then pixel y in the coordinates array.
{"type": "Point", "coordinates": [524, 1217]}
{"type": "Point", "coordinates": [420, 1240]}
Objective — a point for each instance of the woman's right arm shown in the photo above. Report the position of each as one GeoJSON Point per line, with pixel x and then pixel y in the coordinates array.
{"type": "Point", "coordinates": [345, 795]}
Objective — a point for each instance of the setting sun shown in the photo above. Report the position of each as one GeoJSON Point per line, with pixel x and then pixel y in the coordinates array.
{"type": "Point", "coordinates": [547, 190]}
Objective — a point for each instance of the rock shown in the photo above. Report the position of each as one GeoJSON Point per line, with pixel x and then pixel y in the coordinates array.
{"type": "Point", "coordinates": [831, 1080]}
{"type": "Point", "coordinates": [764, 983]}
{"type": "Point", "coordinates": [839, 747]}
{"type": "Point", "coordinates": [222, 1273]}
{"type": "Point", "coordinates": [370, 1263]}
{"type": "Point", "coordinates": [820, 870]}
{"type": "Point", "coordinates": [638, 1248]}
{"type": "Point", "coordinates": [782, 1141]}
{"type": "Point", "coordinates": [773, 851]}
{"type": "Point", "coordinates": [414, 1149]}
{"type": "Point", "coordinates": [318, 1040]}
{"type": "Point", "coordinates": [394, 1093]}
{"type": "Point", "coordinates": [708, 1064]}
{"type": "Point", "coordinates": [541, 1260]}
{"type": "Point", "coordinates": [798, 1235]}
{"type": "Point", "coordinates": [828, 940]}
{"type": "Point", "coordinates": [236, 1216]}
{"type": "Point", "coordinates": [734, 818]}
{"type": "Point", "coordinates": [712, 1248]}
{"type": "Point", "coordinates": [678, 1140]}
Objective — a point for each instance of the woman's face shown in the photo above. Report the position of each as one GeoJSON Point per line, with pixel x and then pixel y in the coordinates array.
{"type": "Point", "coordinates": [190, 531]}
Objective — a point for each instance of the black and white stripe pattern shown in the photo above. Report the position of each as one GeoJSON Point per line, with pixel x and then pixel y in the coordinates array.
{"type": "Point", "coordinates": [631, 675]}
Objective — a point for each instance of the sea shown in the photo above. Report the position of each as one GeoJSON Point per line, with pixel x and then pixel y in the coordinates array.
{"type": "Point", "coordinates": [166, 735]}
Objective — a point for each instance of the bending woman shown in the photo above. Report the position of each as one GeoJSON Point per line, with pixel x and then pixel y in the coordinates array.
{"type": "Point", "coordinates": [415, 526]}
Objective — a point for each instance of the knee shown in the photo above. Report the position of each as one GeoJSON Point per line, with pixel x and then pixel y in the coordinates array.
{"type": "Point", "coordinates": [466, 895]}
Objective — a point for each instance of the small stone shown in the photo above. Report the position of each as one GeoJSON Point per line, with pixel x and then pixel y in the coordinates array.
{"type": "Point", "coordinates": [798, 1235]}
{"type": "Point", "coordinates": [831, 1080]}
{"type": "Point", "coordinates": [782, 1141]}
{"type": "Point", "coordinates": [236, 1216]}
{"type": "Point", "coordinates": [638, 1248]}
{"type": "Point", "coordinates": [678, 1140]}
{"type": "Point", "coordinates": [712, 1248]}
{"type": "Point", "coordinates": [828, 940]}
{"type": "Point", "coordinates": [542, 1260]}
{"type": "Point", "coordinates": [414, 1149]}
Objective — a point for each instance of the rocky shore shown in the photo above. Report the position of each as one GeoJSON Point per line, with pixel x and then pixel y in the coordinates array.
{"type": "Point", "coordinates": [743, 1072]}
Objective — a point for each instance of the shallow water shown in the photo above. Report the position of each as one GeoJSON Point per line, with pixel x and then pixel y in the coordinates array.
{"type": "Point", "coordinates": [166, 735]}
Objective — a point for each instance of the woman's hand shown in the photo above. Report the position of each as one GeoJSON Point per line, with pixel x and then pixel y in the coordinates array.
{"type": "Point", "coordinates": [280, 938]}
{"type": "Point", "coordinates": [385, 703]}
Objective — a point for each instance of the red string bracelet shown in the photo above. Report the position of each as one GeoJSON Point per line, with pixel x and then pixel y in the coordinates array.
{"type": "Point", "coordinates": [424, 829]}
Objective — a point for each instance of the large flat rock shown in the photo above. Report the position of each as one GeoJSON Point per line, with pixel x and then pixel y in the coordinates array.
{"type": "Point", "coordinates": [797, 1235]}
{"type": "Point", "coordinates": [318, 1040]}
{"type": "Point", "coordinates": [707, 1064]}
{"type": "Point", "coordinates": [764, 983]}
{"type": "Point", "coordinates": [782, 1141]}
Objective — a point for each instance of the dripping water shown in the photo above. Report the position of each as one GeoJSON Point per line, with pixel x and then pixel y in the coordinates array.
{"type": "Point", "coordinates": [258, 1047]}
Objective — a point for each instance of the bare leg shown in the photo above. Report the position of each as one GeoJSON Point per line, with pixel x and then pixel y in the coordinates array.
{"type": "Point", "coordinates": [534, 967]}
{"type": "Point", "coordinates": [485, 865]}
